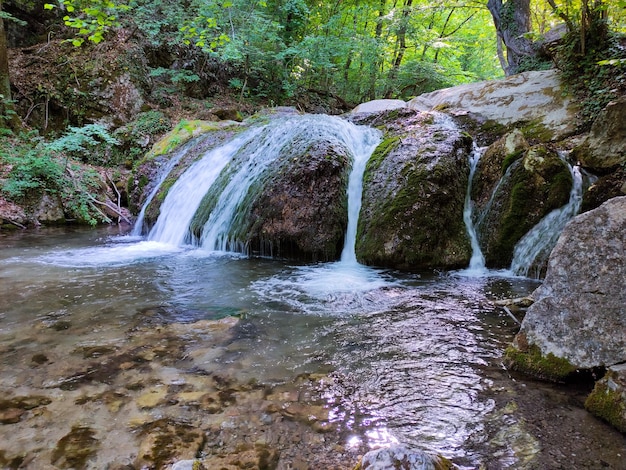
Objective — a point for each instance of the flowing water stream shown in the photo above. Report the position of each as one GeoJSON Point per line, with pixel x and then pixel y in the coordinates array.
{"type": "Point", "coordinates": [125, 338]}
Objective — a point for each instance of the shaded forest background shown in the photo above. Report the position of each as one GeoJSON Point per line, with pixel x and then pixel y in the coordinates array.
{"type": "Point", "coordinates": [96, 82]}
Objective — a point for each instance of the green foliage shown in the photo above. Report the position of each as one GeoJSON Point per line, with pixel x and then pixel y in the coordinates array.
{"type": "Point", "coordinates": [90, 18]}
{"type": "Point", "coordinates": [31, 170]}
{"type": "Point", "coordinates": [36, 167]}
{"type": "Point", "coordinates": [89, 143]}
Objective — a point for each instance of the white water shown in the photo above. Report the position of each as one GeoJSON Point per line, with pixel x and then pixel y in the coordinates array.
{"type": "Point", "coordinates": [184, 197]}
{"type": "Point", "coordinates": [271, 144]}
{"type": "Point", "coordinates": [538, 242]}
{"type": "Point", "coordinates": [362, 142]}
{"type": "Point", "coordinates": [169, 166]}
{"type": "Point", "coordinates": [477, 261]}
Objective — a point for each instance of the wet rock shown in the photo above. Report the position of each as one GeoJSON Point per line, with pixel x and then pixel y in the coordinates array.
{"type": "Point", "coordinates": [300, 210]}
{"type": "Point", "coordinates": [403, 458]}
{"type": "Point", "coordinates": [579, 314]}
{"type": "Point", "coordinates": [605, 147]}
{"type": "Point", "coordinates": [604, 188]}
{"type": "Point", "coordinates": [537, 182]}
{"type": "Point", "coordinates": [413, 195]}
{"type": "Point", "coordinates": [11, 415]}
{"type": "Point", "coordinates": [166, 441]}
{"type": "Point", "coordinates": [75, 448]}
{"type": "Point", "coordinates": [608, 398]}
{"type": "Point", "coordinates": [498, 157]}
{"type": "Point", "coordinates": [533, 100]}
{"type": "Point", "coordinates": [13, 409]}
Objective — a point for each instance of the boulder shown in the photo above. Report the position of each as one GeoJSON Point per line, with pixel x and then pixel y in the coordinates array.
{"type": "Point", "coordinates": [301, 211]}
{"type": "Point", "coordinates": [403, 458]}
{"type": "Point", "coordinates": [413, 194]}
{"type": "Point", "coordinates": [533, 182]}
{"type": "Point", "coordinates": [377, 106]}
{"type": "Point", "coordinates": [578, 320]}
{"type": "Point", "coordinates": [608, 398]}
{"type": "Point", "coordinates": [605, 147]}
{"type": "Point", "coordinates": [533, 100]}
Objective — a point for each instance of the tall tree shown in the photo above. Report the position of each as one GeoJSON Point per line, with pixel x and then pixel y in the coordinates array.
{"type": "Point", "coordinates": [8, 117]}
{"type": "Point", "coordinates": [513, 23]}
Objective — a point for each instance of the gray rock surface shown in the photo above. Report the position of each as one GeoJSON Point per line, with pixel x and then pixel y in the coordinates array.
{"type": "Point", "coordinates": [605, 146]}
{"type": "Point", "coordinates": [403, 458]}
{"type": "Point", "coordinates": [524, 98]}
{"type": "Point", "coordinates": [579, 312]}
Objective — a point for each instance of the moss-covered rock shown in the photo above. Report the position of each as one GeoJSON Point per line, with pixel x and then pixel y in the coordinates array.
{"type": "Point", "coordinates": [534, 185]}
{"type": "Point", "coordinates": [528, 359]}
{"type": "Point", "coordinates": [414, 190]}
{"type": "Point", "coordinates": [206, 135]}
{"type": "Point", "coordinates": [608, 398]}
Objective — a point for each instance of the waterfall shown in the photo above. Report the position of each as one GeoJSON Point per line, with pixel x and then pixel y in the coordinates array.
{"type": "Point", "coordinates": [185, 195]}
{"type": "Point", "coordinates": [241, 163]}
{"type": "Point", "coordinates": [362, 142]}
{"type": "Point", "coordinates": [477, 261]}
{"type": "Point", "coordinates": [169, 166]}
{"type": "Point", "coordinates": [534, 247]}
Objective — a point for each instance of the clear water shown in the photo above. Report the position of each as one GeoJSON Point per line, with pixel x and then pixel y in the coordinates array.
{"type": "Point", "coordinates": [407, 351]}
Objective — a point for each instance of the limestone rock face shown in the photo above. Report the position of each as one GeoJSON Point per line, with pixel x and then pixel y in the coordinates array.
{"type": "Point", "coordinates": [529, 97]}
{"type": "Point", "coordinates": [579, 312]}
{"type": "Point", "coordinates": [605, 146]}
{"type": "Point", "coordinates": [377, 106]}
{"type": "Point", "coordinates": [413, 194]}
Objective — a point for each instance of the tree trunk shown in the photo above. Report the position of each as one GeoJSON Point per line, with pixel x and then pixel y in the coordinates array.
{"type": "Point", "coordinates": [400, 47]}
{"type": "Point", "coordinates": [512, 22]}
{"type": "Point", "coordinates": [8, 118]}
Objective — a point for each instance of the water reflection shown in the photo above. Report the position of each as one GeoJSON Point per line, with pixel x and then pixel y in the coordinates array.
{"type": "Point", "coordinates": [400, 356]}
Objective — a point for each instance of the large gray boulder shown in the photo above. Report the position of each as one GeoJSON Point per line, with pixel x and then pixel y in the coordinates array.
{"type": "Point", "coordinates": [579, 314]}
{"type": "Point", "coordinates": [531, 99]}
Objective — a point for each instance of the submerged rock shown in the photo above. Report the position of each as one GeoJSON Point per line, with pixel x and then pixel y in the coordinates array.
{"type": "Point", "coordinates": [403, 458]}
{"type": "Point", "coordinates": [579, 315]}
{"type": "Point", "coordinates": [413, 195]}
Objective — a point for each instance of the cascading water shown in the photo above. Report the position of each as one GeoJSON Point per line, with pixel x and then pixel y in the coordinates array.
{"type": "Point", "coordinates": [362, 142]}
{"type": "Point", "coordinates": [477, 261]}
{"type": "Point", "coordinates": [247, 161]}
{"type": "Point", "coordinates": [534, 247]}
{"type": "Point", "coordinates": [169, 166]}
{"type": "Point", "coordinates": [184, 197]}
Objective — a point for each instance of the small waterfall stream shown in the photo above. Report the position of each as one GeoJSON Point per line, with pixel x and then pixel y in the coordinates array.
{"type": "Point", "coordinates": [477, 261]}
{"type": "Point", "coordinates": [169, 166]}
{"type": "Point", "coordinates": [534, 247]}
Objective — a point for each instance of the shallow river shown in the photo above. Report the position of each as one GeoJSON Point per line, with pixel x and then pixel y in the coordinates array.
{"type": "Point", "coordinates": [114, 338]}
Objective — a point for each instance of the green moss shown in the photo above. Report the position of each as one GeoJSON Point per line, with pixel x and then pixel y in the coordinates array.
{"type": "Point", "coordinates": [532, 362]}
{"type": "Point", "coordinates": [511, 158]}
{"type": "Point", "coordinates": [379, 155]}
{"type": "Point", "coordinates": [182, 133]}
{"type": "Point", "coordinates": [536, 131]}
{"type": "Point", "coordinates": [607, 404]}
